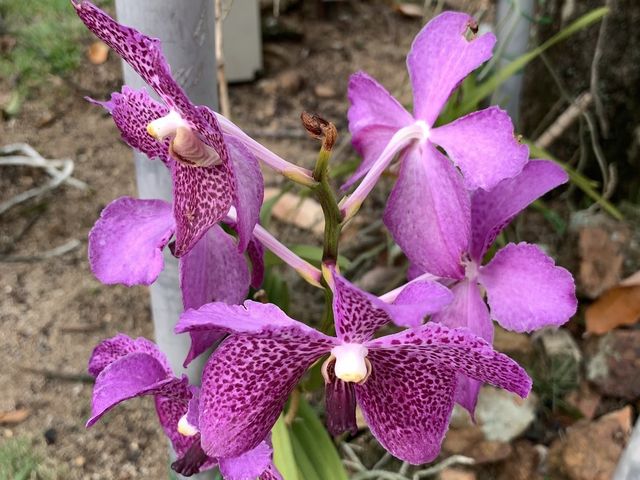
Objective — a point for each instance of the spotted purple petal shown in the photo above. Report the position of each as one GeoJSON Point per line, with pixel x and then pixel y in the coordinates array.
{"type": "Point", "coordinates": [428, 212]}
{"type": "Point", "coordinates": [374, 116]}
{"type": "Point", "coordinates": [126, 243]}
{"type": "Point", "coordinates": [202, 197]}
{"type": "Point", "coordinates": [407, 401]}
{"type": "Point", "coordinates": [111, 349]}
{"type": "Point", "coordinates": [132, 110]}
{"type": "Point", "coordinates": [213, 271]}
{"type": "Point", "coordinates": [249, 465]}
{"type": "Point", "coordinates": [526, 290]}
{"type": "Point", "coordinates": [467, 310]}
{"type": "Point", "coordinates": [440, 58]}
{"type": "Point", "coordinates": [491, 211]}
{"type": "Point", "coordinates": [483, 145]}
{"type": "Point", "coordinates": [246, 382]}
{"type": "Point", "coordinates": [249, 190]}
{"type": "Point", "coordinates": [459, 350]}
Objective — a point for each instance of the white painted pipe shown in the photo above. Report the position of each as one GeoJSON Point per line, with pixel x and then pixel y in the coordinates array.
{"type": "Point", "coordinates": [186, 29]}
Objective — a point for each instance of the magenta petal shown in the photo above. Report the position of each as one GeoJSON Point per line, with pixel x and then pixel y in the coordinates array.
{"type": "Point", "coordinates": [133, 375]}
{"type": "Point", "coordinates": [374, 116]}
{"type": "Point", "coordinates": [416, 301]}
{"type": "Point", "coordinates": [211, 322]}
{"type": "Point", "coordinates": [526, 290]}
{"type": "Point", "coordinates": [357, 314]}
{"type": "Point", "coordinates": [202, 197]}
{"type": "Point", "coordinates": [407, 402]}
{"type": "Point", "coordinates": [484, 146]}
{"type": "Point", "coordinates": [467, 310]}
{"type": "Point", "coordinates": [111, 349]}
{"type": "Point", "coordinates": [126, 243]}
{"type": "Point", "coordinates": [491, 211]}
{"type": "Point", "coordinates": [246, 382]}
{"type": "Point", "coordinates": [255, 252]}
{"type": "Point", "coordinates": [249, 190]}
{"type": "Point", "coordinates": [428, 212]}
{"type": "Point", "coordinates": [213, 271]}
{"type": "Point", "coordinates": [440, 58]}
{"type": "Point", "coordinates": [458, 350]}
{"type": "Point", "coordinates": [132, 111]}
{"type": "Point", "coordinates": [248, 466]}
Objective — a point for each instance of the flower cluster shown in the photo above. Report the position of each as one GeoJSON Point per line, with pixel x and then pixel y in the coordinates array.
{"type": "Point", "coordinates": [458, 186]}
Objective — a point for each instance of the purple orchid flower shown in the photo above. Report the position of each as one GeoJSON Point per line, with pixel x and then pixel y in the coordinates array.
{"type": "Point", "coordinates": [525, 289]}
{"type": "Point", "coordinates": [126, 368]}
{"type": "Point", "coordinates": [126, 243]}
{"type": "Point", "coordinates": [404, 383]}
{"type": "Point", "coordinates": [429, 198]}
{"type": "Point", "coordinates": [207, 177]}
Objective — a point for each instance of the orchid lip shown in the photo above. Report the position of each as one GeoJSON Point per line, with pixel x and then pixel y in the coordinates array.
{"type": "Point", "coordinates": [166, 126]}
{"type": "Point", "coordinates": [470, 269]}
{"type": "Point", "coordinates": [351, 363]}
{"type": "Point", "coordinates": [185, 428]}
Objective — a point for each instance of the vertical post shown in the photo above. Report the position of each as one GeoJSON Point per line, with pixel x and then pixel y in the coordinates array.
{"type": "Point", "coordinates": [186, 29]}
{"type": "Point", "coordinates": [513, 40]}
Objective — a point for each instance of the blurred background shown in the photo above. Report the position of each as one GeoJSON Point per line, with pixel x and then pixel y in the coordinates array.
{"type": "Point", "coordinates": [569, 75]}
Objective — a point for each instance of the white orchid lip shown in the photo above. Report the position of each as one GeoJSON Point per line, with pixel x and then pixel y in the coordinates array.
{"type": "Point", "coordinates": [351, 363]}
{"type": "Point", "coordinates": [185, 428]}
{"type": "Point", "coordinates": [166, 126]}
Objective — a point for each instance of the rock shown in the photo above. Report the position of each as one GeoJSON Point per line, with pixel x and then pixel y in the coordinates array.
{"type": "Point", "coordinates": [557, 343]}
{"type": "Point", "coordinates": [615, 365]}
{"type": "Point", "coordinates": [79, 461]}
{"type": "Point", "coordinates": [470, 442]}
{"type": "Point", "coordinates": [602, 243]}
{"type": "Point", "coordinates": [517, 345]}
{"type": "Point", "coordinates": [590, 450]}
{"type": "Point", "coordinates": [558, 362]}
{"type": "Point", "coordinates": [503, 416]}
{"type": "Point", "coordinates": [585, 400]}
{"type": "Point", "coordinates": [290, 81]}
{"type": "Point", "coordinates": [302, 212]}
{"type": "Point", "coordinates": [490, 451]}
{"type": "Point", "coordinates": [451, 473]}
{"type": "Point", "coordinates": [524, 463]}
{"type": "Point", "coordinates": [324, 91]}
{"type": "Point", "coordinates": [629, 465]}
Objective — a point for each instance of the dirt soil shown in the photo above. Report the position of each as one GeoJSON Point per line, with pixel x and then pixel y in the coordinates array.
{"type": "Point", "coordinates": [54, 311]}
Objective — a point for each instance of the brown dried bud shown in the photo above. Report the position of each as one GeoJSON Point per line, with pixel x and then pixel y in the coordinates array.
{"type": "Point", "coordinates": [473, 25]}
{"type": "Point", "coordinates": [319, 128]}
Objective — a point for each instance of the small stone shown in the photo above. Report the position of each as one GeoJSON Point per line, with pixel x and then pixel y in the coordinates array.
{"type": "Point", "coordinates": [490, 451]}
{"type": "Point", "coordinates": [615, 365]}
{"type": "Point", "coordinates": [290, 81]}
{"type": "Point", "coordinates": [516, 345]}
{"type": "Point", "coordinates": [451, 473]}
{"type": "Point", "coordinates": [590, 450]}
{"type": "Point", "coordinates": [324, 91]}
{"type": "Point", "coordinates": [523, 464]}
{"type": "Point", "coordinates": [460, 441]}
{"type": "Point", "coordinates": [79, 461]}
{"type": "Point", "coordinates": [7, 433]}
{"type": "Point", "coordinates": [504, 416]}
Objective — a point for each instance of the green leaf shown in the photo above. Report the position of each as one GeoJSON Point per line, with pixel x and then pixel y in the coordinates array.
{"type": "Point", "coordinates": [283, 455]}
{"type": "Point", "coordinates": [579, 180]}
{"type": "Point", "coordinates": [487, 87]}
{"type": "Point", "coordinates": [277, 290]}
{"type": "Point", "coordinates": [314, 447]}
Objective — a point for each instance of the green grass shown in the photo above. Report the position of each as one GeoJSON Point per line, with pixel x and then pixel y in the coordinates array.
{"type": "Point", "coordinates": [20, 461]}
{"type": "Point", "coordinates": [48, 41]}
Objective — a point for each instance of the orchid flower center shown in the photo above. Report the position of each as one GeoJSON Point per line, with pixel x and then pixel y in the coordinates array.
{"type": "Point", "coordinates": [186, 146]}
{"type": "Point", "coordinates": [185, 428]}
{"type": "Point", "coordinates": [425, 130]}
{"type": "Point", "coordinates": [351, 364]}
{"type": "Point", "coordinates": [470, 269]}
{"type": "Point", "coordinates": [166, 126]}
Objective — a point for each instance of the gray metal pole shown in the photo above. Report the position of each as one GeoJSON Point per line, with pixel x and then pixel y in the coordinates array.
{"type": "Point", "coordinates": [513, 41]}
{"type": "Point", "coordinates": [186, 29]}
